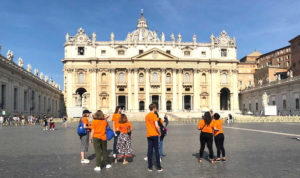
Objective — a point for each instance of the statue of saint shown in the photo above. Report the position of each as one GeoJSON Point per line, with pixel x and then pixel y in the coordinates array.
{"type": "Point", "coordinates": [41, 76]}
{"type": "Point", "coordinates": [155, 36]}
{"type": "Point", "coordinates": [265, 99]}
{"type": "Point", "coordinates": [179, 38]}
{"type": "Point", "coordinates": [128, 37]}
{"type": "Point", "coordinates": [93, 37]}
{"type": "Point", "coordinates": [36, 72]}
{"type": "Point", "coordinates": [163, 37]}
{"type": "Point", "coordinates": [28, 67]}
{"type": "Point", "coordinates": [212, 38]}
{"type": "Point", "coordinates": [46, 78]}
{"type": "Point", "coordinates": [20, 62]}
{"type": "Point", "coordinates": [194, 38]}
{"type": "Point", "coordinates": [10, 55]}
{"type": "Point", "coordinates": [67, 37]}
{"type": "Point", "coordinates": [172, 37]}
{"type": "Point", "coordinates": [112, 36]}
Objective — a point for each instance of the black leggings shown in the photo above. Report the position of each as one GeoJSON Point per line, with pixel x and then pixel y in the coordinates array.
{"type": "Point", "coordinates": [206, 138]}
{"type": "Point", "coordinates": [219, 140]}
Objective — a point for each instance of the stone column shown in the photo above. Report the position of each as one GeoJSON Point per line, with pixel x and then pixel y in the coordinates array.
{"type": "Point", "coordinates": [93, 93]}
{"type": "Point", "coordinates": [235, 97]}
{"type": "Point", "coordinates": [113, 90]}
{"type": "Point", "coordinates": [147, 90]}
{"type": "Point", "coordinates": [69, 88]}
{"type": "Point", "coordinates": [163, 92]}
{"type": "Point", "coordinates": [129, 90]}
{"type": "Point", "coordinates": [174, 103]}
{"type": "Point", "coordinates": [136, 90]}
{"type": "Point", "coordinates": [196, 90]}
{"type": "Point", "coordinates": [213, 90]}
{"type": "Point", "coordinates": [180, 90]}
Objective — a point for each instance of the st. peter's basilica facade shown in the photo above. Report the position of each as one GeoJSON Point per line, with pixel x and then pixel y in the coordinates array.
{"type": "Point", "coordinates": [145, 68]}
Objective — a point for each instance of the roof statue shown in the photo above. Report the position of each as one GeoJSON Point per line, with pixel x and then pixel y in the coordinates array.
{"type": "Point", "coordinates": [41, 75]}
{"type": "Point", "coordinates": [10, 55]}
{"type": "Point", "coordinates": [67, 37]}
{"type": "Point", "coordinates": [179, 38]}
{"type": "Point", "coordinates": [212, 38]}
{"type": "Point", "coordinates": [112, 36]}
{"type": "Point", "coordinates": [93, 37]}
{"type": "Point", "coordinates": [20, 62]}
{"type": "Point", "coordinates": [36, 72]}
{"type": "Point", "coordinates": [46, 78]}
{"type": "Point", "coordinates": [28, 67]}
{"type": "Point", "coordinates": [172, 37]}
{"type": "Point", "coordinates": [224, 40]}
{"type": "Point", "coordinates": [163, 37]}
{"type": "Point", "coordinates": [194, 38]}
{"type": "Point", "coordinates": [265, 99]}
{"type": "Point", "coordinates": [0, 48]}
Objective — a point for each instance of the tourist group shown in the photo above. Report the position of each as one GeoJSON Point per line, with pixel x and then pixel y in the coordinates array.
{"type": "Point", "coordinates": [99, 132]}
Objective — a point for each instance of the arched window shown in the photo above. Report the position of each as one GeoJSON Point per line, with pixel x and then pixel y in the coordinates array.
{"type": "Point", "coordinates": [154, 77]}
{"type": "Point", "coordinates": [121, 77]}
{"type": "Point", "coordinates": [141, 78]}
{"type": "Point", "coordinates": [224, 78]}
{"type": "Point", "coordinates": [103, 78]}
{"type": "Point", "coordinates": [168, 78]}
{"type": "Point", "coordinates": [203, 78]}
{"type": "Point", "coordinates": [186, 77]}
{"type": "Point", "coordinates": [81, 77]}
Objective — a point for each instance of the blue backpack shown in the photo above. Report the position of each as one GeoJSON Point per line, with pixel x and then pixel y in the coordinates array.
{"type": "Point", "coordinates": [109, 133]}
{"type": "Point", "coordinates": [81, 131]}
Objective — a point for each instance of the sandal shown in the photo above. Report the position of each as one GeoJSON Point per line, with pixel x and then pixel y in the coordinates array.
{"type": "Point", "coordinates": [200, 160]}
{"type": "Point", "coordinates": [223, 159]}
{"type": "Point", "coordinates": [218, 159]}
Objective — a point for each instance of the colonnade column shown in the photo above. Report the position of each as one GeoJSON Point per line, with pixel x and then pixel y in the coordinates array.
{"type": "Point", "coordinates": [235, 100]}
{"type": "Point", "coordinates": [147, 89]}
{"type": "Point", "coordinates": [213, 90]}
{"type": "Point", "coordinates": [196, 90]}
{"type": "Point", "coordinates": [163, 88]}
{"type": "Point", "coordinates": [69, 89]}
{"type": "Point", "coordinates": [113, 90]}
{"type": "Point", "coordinates": [174, 103]}
{"type": "Point", "coordinates": [129, 90]}
{"type": "Point", "coordinates": [136, 90]}
{"type": "Point", "coordinates": [180, 90]}
{"type": "Point", "coordinates": [93, 93]}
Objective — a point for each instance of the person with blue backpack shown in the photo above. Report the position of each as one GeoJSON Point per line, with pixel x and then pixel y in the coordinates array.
{"type": "Point", "coordinates": [83, 132]}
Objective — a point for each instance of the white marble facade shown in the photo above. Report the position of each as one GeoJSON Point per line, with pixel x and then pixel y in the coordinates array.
{"type": "Point", "coordinates": [146, 68]}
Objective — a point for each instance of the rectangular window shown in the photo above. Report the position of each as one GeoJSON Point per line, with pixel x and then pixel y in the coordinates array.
{"type": "Point", "coordinates": [121, 89]}
{"type": "Point", "coordinates": [250, 107]}
{"type": "Point", "coordinates": [81, 51]}
{"type": "Point", "coordinates": [168, 51]}
{"type": "Point", "coordinates": [187, 53]}
{"type": "Point", "coordinates": [141, 89]}
{"type": "Point", "coordinates": [241, 83]}
{"type": "Point", "coordinates": [103, 52]}
{"type": "Point", "coordinates": [297, 103]}
{"type": "Point", "coordinates": [284, 104]}
{"type": "Point", "coordinates": [187, 89]}
{"type": "Point", "coordinates": [223, 52]}
{"type": "Point", "coordinates": [141, 51]}
{"type": "Point", "coordinates": [256, 106]}
{"type": "Point", "coordinates": [15, 98]}
{"type": "Point", "coordinates": [3, 96]}
{"type": "Point", "coordinates": [168, 89]}
{"type": "Point", "coordinates": [203, 53]}
{"type": "Point", "coordinates": [121, 52]}
{"type": "Point", "coordinates": [273, 103]}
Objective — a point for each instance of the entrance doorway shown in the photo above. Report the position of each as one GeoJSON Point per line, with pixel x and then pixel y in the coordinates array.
{"type": "Point", "coordinates": [187, 102]}
{"type": "Point", "coordinates": [155, 100]}
{"type": "Point", "coordinates": [225, 99]}
{"type": "Point", "coordinates": [122, 102]}
{"type": "Point", "coordinates": [142, 106]}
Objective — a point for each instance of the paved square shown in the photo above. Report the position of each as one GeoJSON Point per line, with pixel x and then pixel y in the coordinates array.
{"type": "Point", "coordinates": [27, 151]}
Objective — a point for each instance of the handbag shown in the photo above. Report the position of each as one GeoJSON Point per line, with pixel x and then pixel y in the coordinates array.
{"type": "Point", "coordinates": [109, 133]}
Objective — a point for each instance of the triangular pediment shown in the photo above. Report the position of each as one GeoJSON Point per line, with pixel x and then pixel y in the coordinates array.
{"type": "Point", "coordinates": [155, 54]}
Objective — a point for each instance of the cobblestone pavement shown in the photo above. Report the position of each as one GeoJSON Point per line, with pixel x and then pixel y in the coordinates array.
{"type": "Point", "coordinates": [27, 151]}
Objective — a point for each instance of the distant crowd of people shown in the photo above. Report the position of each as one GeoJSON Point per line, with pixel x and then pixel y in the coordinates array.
{"type": "Point", "coordinates": [99, 132]}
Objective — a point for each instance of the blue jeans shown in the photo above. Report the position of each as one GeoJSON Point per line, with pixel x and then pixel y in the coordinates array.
{"type": "Point", "coordinates": [161, 143]}
{"type": "Point", "coordinates": [153, 142]}
{"type": "Point", "coordinates": [115, 143]}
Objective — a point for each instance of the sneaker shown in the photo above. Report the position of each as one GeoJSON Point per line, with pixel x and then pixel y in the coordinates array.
{"type": "Point", "coordinates": [114, 155]}
{"type": "Point", "coordinates": [108, 166]}
{"type": "Point", "coordinates": [160, 170]}
{"type": "Point", "coordinates": [150, 169]}
{"type": "Point", "coordinates": [160, 160]}
{"type": "Point", "coordinates": [146, 158]}
{"type": "Point", "coordinates": [85, 161]}
{"type": "Point", "coordinates": [97, 168]}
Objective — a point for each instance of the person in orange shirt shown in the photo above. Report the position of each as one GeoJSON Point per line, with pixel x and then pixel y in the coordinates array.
{"type": "Point", "coordinates": [153, 133]}
{"type": "Point", "coordinates": [124, 139]}
{"type": "Point", "coordinates": [115, 118]}
{"type": "Point", "coordinates": [206, 125]}
{"type": "Point", "coordinates": [84, 147]}
{"type": "Point", "coordinates": [98, 137]}
{"type": "Point", "coordinates": [219, 137]}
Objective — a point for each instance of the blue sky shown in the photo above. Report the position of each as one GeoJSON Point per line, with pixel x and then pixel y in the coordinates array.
{"type": "Point", "coordinates": [35, 29]}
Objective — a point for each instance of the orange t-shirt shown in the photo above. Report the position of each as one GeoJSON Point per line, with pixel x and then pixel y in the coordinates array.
{"type": "Point", "coordinates": [150, 124]}
{"type": "Point", "coordinates": [99, 127]}
{"type": "Point", "coordinates": [205, 128]}
{"type": "Point", "coordinates": [219, 125]}
{"type": "Point", "coordinates": [86, 122]}
{"type": "Point", "coordinates": [123, 128]}
{"type": "Point", "coordinates": [115, 119]}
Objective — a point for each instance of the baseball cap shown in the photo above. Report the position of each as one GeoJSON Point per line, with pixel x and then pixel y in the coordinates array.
{"type": "Point", "coordinates": [86, 112]}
